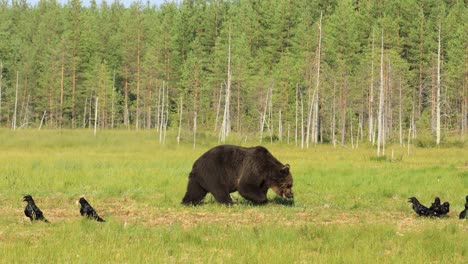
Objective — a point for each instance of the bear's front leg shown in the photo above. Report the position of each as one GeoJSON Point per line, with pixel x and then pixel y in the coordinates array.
{"type": "Point", "coordinates": [222, 197]}
{"type": "Point", "coordinates": [253, 194]}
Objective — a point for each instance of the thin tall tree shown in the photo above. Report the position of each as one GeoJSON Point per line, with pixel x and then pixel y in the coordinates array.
{"type": "Point", "coordinates": [1, 79]}
{"type": "Point", "coordinates": [316, 92]}
{"type": "Point", "coordinates": [16, 101]}
{"type": "Point", "coordinates": [226, 125]}
{"type": "Point", "coordinates": [438, 91]}
{"type": "Point", "coordinates": [381, 133]}
{"type": "Point", "coordinates": [371, 95]}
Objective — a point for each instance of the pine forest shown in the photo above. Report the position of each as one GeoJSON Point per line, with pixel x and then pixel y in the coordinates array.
{"type": "Point", "coordinates": [299, 71]}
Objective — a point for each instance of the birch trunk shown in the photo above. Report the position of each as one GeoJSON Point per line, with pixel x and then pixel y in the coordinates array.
{"type": "Point", "coordinates": [162, 121]}
{"type": "Point", "coordinates": [61, 93]}
{"type": "Point", "coordinates": [180, 120]}
{"type": "Point", "coordinates": [316, 118]}
{"type": "Point", "coordinates": [1, 79]}
{"type": "Point", "coordinates": [380, 134]}
{"type": "Point", "coordinates": [295, 131]}
{"type": "Point", "coordinates": [263, 117]}
{"type": "Point", "coordinates": [226, 125]}
{"type": "Point", "coordinates": [137, 114]}
{"type": "Point", "coordinates": [126, 112]}
{"type": "Point", "coordinates": [400, 116]}
{"type": "Point", "coordinates": [96, 116]}
{"type": "Point", "coordinates": [113, 99]}
{"type": "Point", "coordinates": [42, 120]}
{"type": "Point", "coordinates": [333, 116]}
{"type": "Point", "coordinates": [438, 92]}
{"type": "Point", "coordinates": [302, 121]}
{"type": "Point", "coordinates": [16, 101]}
{"type": "Point", "coordinates": [371, 96]}
{"type": "Point", "coordinates": [464, 107]}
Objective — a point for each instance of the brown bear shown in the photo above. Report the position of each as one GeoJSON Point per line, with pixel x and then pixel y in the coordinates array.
{"type": "Point", "coordinates": [250, 171]}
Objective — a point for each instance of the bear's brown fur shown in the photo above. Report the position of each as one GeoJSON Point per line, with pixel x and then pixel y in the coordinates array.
{"type": "Point", "coordinates": [250, 171]}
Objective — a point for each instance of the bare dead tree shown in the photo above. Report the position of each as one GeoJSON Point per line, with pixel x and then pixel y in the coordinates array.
{"type": "Point", "coordinates": [371, 96]}
{"type": "Point", "coordinates": [42, 120]}
{"type": "Point", "coordinates": [226, 124]}
{"type": "Point", "coordinates": [317, 85]}
{"type": "Point", "coordinates": [1, 79]}
{"type": "Point", "coordinates": [96, 116]}
{"type": "Point", "coordinates": [113, 100]}
{"type": "Point", "coordinates": [438, 92]}
{"type": "Point", "coordinates": [380, 120]}
{"type": "Point", "coordinates": [16, 101]}
{"type": "Point", "coordinates": [180, 118]}
{"type": "Point", "coordinates": [295, 131]}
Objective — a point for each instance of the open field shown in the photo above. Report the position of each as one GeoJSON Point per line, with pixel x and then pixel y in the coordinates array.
{"type": "Point", "coordinates": [349, 206]}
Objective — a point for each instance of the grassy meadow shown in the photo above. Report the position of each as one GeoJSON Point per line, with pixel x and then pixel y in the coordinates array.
{"type": "Point", "coordinates": [350, 207]}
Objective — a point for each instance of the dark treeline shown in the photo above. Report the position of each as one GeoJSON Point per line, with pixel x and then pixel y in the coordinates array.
{"type": "Point", "coordinates": [303, 70]}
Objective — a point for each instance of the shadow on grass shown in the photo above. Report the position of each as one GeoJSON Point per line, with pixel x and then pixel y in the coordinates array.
{"type": "Point", "coordinates": [244, 202]}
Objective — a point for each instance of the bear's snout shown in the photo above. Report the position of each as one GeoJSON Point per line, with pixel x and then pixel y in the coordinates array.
{"type": "Point", "coordinates": [288, 195]}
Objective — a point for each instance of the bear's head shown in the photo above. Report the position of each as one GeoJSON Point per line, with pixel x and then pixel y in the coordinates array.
{"type": "Point", "coordinates": [281, 183]}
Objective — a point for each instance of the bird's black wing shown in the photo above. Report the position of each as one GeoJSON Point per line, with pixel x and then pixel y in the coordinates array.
{"type": "Point", "coordinates": [463, 214]}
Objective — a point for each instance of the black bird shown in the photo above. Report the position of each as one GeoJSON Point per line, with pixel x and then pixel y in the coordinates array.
{"type": "Point", "coordinates": [439, 209]}
{"type": "Point", "coordinates": [436, 204]}
{"type": "Point", "coordinates": [32, 211]}
{"type": "Point", "coordinates": [442, 210]}
{"type": "Point", "coordinates": [419, 208]}
{"type": "Point", "coordinates": [88, 211]}
{"type": "Point", "coordinates": [463, 213]}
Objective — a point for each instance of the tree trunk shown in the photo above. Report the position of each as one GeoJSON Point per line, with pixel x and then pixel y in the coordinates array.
{"type": "Point", "coordinates": [162, 119]}
{"type": "Point", "coordinates": [42, 120]}
{"type": "Point", "coordinates": [280, 127]}
{"type": "Point", "coordinates": [62, 92]}
{"type": "Point", "coordinates": [16, 101]}
{"type": "Point", "coordinates": [295, 131]}
{"type": "Point", "coordinates": [126, 112]}
{"type": "Point", "coordinates": [371, 96]}
{"type": "Point", "coordinates": [1, 79]}
{"type": "Point", "coordinates": [316, 118]}
{"type": "Point", "coordinates": [400, 116]}
{"type": "Point", "coordinates": [421, 68]}
{"type": "Point", "coordinates": [343, 110]}
{"type": "Point", "coordinates": [302, 120]}
{"type": "Point", "coordinates": [333, 122]}
{"type": "Point", "coordinates": [263, 116]}
{"type": "Point", "coordinates": [96, 116]}
{"type": "Point", "coordinates": [438, 91]}
{"type": "Point", "coordinates": [180, 119]}
{"type": "Point", "coordinates": [380, 120]}
{"type": "Point", "coordinates": [112, 103]}
{"type": "Point", "coordinates": [226, 125]}
{"type": "Point", "coordinates": [84, 112]}
{"type": "Point", "coordinates": [195, 105]}
{"type": "Point", "coordinates": [137, 114]}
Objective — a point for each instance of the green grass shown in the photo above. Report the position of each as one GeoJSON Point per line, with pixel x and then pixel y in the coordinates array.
{"type": "Point", "coordinates": [350, 207]}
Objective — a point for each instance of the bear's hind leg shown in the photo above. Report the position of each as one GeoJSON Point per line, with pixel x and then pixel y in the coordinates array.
{"type": "Point", "coordinates": [195, 193]}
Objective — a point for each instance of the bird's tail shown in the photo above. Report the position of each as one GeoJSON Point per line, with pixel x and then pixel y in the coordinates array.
{"type": "Point", "coordinates": [99, 219]}
{"type": "Point", "coordinates": [47, 221]}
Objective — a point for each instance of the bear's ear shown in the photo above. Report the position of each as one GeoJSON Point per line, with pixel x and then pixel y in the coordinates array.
{"type": "Point", "coordinates": [285, 170]}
